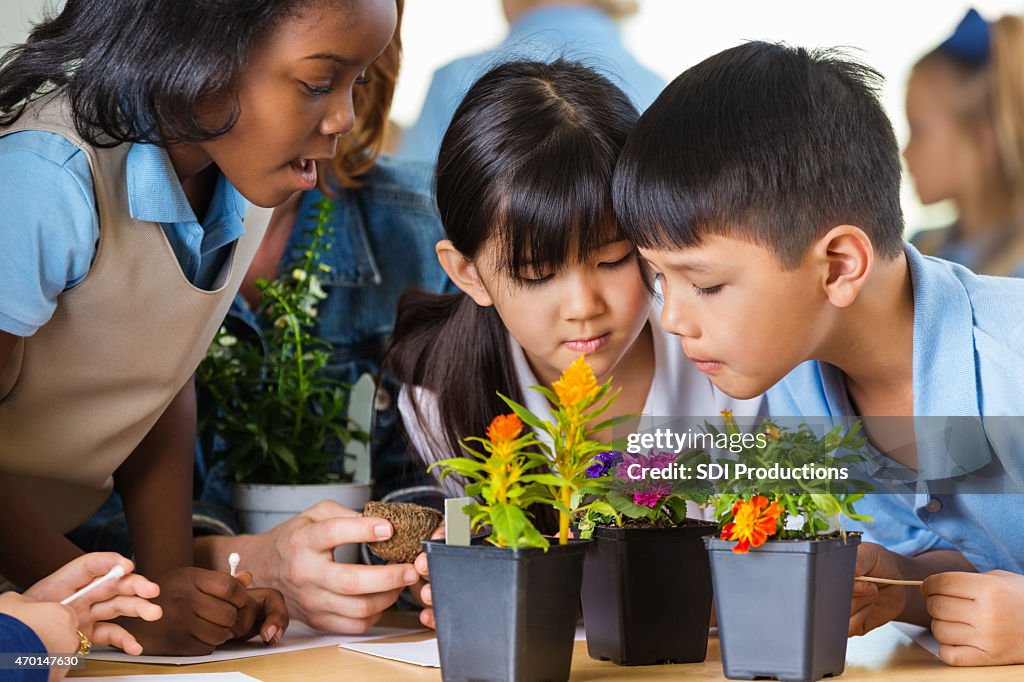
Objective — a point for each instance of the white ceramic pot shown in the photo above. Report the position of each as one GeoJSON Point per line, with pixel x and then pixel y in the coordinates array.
{"type": "Point", "coordinates": [261, 507]}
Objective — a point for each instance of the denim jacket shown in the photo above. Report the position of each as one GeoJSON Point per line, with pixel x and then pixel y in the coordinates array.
{"type": "Point", "coordinates": [383, 243]}
{"type": "Point", "coordinates": [383, 238]}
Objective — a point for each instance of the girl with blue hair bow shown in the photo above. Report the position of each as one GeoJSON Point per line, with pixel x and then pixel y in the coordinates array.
{"type": "Point", "coordinates": [965, 107]}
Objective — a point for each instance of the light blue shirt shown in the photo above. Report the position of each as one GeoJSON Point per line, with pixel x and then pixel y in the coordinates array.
{"type": "Point", "coordinates": [49, 226]}
{"type": "Point", "coordinates": [581, 33]}
{"type": "Point", "coordinates": [968, 367]}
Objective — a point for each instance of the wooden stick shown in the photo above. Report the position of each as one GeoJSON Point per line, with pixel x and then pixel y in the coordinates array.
{"type": "Point", "coordinates": [887, 581]}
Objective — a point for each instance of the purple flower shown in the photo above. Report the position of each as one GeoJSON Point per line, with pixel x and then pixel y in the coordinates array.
{"type": "Point", "coordinates": [652, 460]}
{"type": "Point", "coordinates": [603, 462]}
{"type": "Point", "coordinates": [645, 489]}
{"type": "Point", "coordinates": [647, 499]}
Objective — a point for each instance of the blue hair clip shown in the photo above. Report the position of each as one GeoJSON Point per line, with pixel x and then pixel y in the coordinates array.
{"type": "Point", "coordinates": [971, 41]}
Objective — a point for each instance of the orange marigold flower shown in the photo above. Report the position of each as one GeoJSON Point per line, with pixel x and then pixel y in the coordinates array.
{"type": "Point", "coordinates": [576, 384]}
{"type": "Point", "coordinates": [504, 428]}
{"type": "Point", "coordinates": [753, 522]}
{"type": "Point", "coordinates": [773, 432]}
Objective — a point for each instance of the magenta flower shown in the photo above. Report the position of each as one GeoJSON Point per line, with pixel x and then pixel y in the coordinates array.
{"type": "Point", "coordinates": [646, 490]}
{"type": "Point", "coordinates": [648, 499]}
{"type": "Point", "coordinates": [652, 460]}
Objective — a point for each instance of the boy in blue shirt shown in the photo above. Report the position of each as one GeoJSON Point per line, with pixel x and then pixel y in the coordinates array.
{"type": "Point", "coordinates": [762, 188]}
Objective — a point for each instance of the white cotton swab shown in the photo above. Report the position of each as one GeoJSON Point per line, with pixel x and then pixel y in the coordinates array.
{"type": "Point", "coordinates": [115, 573]}
{"type": "Point", "coordinates": [233, 560]}
{"type": "Point", "coordinates": [887, 581]}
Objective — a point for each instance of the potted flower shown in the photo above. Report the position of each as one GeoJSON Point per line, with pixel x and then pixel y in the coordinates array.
{"type": "Point", "coordinates": [646, 578]}
{"type": "Point", "coordinates": [782, 566]}
{"type": "Point", "coordinates": [506, 605]}
{"type": "Point", "coordinates": [285, 423]}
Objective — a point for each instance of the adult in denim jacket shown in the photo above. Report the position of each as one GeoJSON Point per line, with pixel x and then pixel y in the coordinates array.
{"type": "Point", "coordinates": [382, 243]}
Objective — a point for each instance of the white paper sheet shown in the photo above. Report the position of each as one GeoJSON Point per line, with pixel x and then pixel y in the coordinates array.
{"type": "Point", "coordinates": [296, 637]}
{"type": "Point", "coordinates": [921, 635]}
{"type": "Point", "coordinates": [423, 653]}
{"type": "Point", "coordinates": [201, 677]}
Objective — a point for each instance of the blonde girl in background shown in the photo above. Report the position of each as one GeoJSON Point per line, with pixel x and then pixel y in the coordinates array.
{"type": "Point", "coordinates": [965, 107]}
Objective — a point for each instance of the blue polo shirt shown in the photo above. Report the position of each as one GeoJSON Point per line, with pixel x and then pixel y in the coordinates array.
{"type": "Point", "coordinates": [968, 374]}
{"type": "Point", "coordinates": [49, 226]}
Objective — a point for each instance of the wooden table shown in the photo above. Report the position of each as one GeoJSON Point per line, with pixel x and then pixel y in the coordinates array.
{"type": "Point", "coordinates": [884, 654]}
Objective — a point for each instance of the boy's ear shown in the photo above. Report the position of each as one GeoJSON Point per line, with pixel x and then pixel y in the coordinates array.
{"type": "Point", "coordinates": [463, 272]}
{"type": "Point", "coordinates": [847, 257]}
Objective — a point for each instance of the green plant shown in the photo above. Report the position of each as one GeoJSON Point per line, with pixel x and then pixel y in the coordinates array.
{"type": "Point", "coordinates": [789, 475]}
{"type": "Point", "coordinates": [505, 475]}
{"type": "Point", "coordinates": [500, 477]}
{"type": "Point", "coordinates": [613, 495]}
{"type": "Point", "coordinates": [577, 401]}
{"type": "Point", "coordinates": [282, 418]}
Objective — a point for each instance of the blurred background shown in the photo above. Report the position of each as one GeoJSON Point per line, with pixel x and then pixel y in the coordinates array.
{"type": "Point", "coordinates": [668, 36]}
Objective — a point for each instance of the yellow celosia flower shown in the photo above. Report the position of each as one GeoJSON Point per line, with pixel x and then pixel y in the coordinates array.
{"type": "Point", "coordinates": [576, 384]}
{"type": "Point", "coordinates": [728, 419]}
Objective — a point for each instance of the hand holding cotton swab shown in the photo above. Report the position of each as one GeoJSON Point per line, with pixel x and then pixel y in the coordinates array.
{"type": "Point", "coordinates": [233, 560]}
{"type": "Point", "coordinates": [116, 573]}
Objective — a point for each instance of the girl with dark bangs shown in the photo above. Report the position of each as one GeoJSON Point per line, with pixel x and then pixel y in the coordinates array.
{"type": "Point", "coordinates": [133, 137]}
{"type": "Point", "coordinates": [523, 187]}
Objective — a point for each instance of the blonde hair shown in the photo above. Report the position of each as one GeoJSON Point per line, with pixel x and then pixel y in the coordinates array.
{"type": "Point", "coordinates": [993, 94]}
{"type": "Point", "coordinates": [358, 151]}
{"type": "Point", "coordinates": [1007, 77]}
{"type": "Point", "coordinates": [618, 9]}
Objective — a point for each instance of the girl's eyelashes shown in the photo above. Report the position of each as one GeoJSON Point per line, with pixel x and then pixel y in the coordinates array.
{"type": "Point", "coordinates": [707, 291]}
{"type": "Point", "coordinates": [317, 90]}
{"type": "Point", "coordinates": [617, 263]}
{"type": "Point", "coordinates": [533, 281]}
{"type": "Point", "coordinates": [320, 90]}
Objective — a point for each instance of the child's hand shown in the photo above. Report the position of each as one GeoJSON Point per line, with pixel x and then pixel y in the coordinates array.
{"type": "Point", "coordinates": [200, 612]}
{"type": "Point", "coordinates": [266, 613]}
{"type": "Point", "coordinates": [874, 605]}
{"type": "Point", "coordinates": [421, 590]}
{"type": "Point", "coordinates": [53, 624]}
{"type": "Point", "coordinates": [977, 617]}
{"type": "Point", "coordinates": [125, 597]}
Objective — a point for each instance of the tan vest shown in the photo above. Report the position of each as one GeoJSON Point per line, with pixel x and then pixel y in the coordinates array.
{"type": "Point", "coordinates": [77, 397]}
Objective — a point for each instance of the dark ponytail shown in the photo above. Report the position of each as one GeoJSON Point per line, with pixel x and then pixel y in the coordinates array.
{"type": "Point", "coordinates": [527, 161]}
{"type": "Point", "coordinates": [442, 342]}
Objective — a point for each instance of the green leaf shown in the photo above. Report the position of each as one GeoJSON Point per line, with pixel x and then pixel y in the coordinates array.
{"type": "Point", "coordinates": [609, 423]}
{"type": "Point", "coordinates": [544, 479]}
{"type": "Point", "coordinates": [509, 523]}
{"type": "Point", "coordinates": [627, 507]}
{"type": "Point", "coordinates": [524, 414]}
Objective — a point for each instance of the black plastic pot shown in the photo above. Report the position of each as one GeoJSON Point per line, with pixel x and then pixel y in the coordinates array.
{"type": "Point", "coordinates": [505, 615]}
{"type": "Point", "coordinates": [784, 608]}
{"type": "Point", "coordinates": [647, 594]}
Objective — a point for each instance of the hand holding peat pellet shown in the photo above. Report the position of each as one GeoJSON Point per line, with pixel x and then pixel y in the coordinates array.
{"type": "Point", "coordinates": [413, 524]}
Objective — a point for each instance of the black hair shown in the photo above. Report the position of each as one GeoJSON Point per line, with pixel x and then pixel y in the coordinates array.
{"type": "Point", "coordinates": [138, 70]}
{"type": "Point", "coordinates": [765, 142]}
{"type": "Point", "coordinates": [527, 161]}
